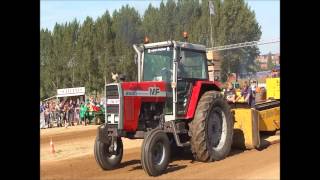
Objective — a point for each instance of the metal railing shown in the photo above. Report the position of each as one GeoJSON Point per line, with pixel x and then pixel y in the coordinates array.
{"type": "Point", "coordinates": [244, 44]}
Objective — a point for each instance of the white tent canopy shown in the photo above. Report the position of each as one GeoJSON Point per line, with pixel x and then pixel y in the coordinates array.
{"type": "Point", "coordinates": [78, 91]}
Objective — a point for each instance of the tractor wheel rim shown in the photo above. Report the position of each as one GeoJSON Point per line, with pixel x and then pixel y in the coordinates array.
{"type": "Point", "coordinates": [158, 153]}
{"type": "Point", "coordinates": [217, 129]}
{"type": "Point", "coordinates": [108, 154]}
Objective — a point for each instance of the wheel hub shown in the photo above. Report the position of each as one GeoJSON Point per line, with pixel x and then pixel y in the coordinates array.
{"type": "Point", "coordinates": [111, 150]}
{"type": "Point", "coordinates": [216, 129]}
{"type": "Point", "coordinates": [158, 153]}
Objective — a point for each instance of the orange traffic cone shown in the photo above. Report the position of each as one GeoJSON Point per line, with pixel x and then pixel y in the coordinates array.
{"type": "Point", "coordinates": [52, 147]}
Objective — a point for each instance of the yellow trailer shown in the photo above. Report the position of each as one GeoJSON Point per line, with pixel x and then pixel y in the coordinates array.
{"type": "Point", "coordinates": [250, 122]}
{"type": "Point", "coordinates": [273, 88]}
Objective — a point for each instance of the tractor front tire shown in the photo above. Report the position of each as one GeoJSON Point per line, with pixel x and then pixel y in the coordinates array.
{"type": "Point", "coordinates": [105, 159]}
{"type": "Point", "coordinates": [212, 128]}
{"type": "Point", "coordinates": [155, 152]}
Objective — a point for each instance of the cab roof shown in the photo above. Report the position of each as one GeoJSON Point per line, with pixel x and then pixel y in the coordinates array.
{"type": "Point", "coordinates": [186, 45]}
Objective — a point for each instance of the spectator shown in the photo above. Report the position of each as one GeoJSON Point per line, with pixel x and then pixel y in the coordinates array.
{"type": "Point", "coordinates": [57, 114]}
{"type": "Point", "coordinates": [248, 92]}
{"type": "Point", "coordinates": [89, 108]}
{"type": "Point", "coordinates": [42, 108]}
{"type": "Point", "coordinates": [245, 93]}
{"type": "Point", "coordinates": [90, 104]}
{"type": "Point", "coordinates": [230, 93]}
{"type": "Point", "coordinates": [252, 91]}
{"type": "Point", "coordinates": [46, 115]}
{"type": "Point", "coordinates": [89, 111]}
{"type": "Point", "coordinates": [61, 107]}
{"type": "Point", "coordinates": [91, 100]}
{"type": "Point", "coordinates": [77, 113]}
{"type": "Point", "coordinates": [42, 120]}
{"type": "Point", "coordinates": [66, 114]}
{"type": "Point", "coordinates": [83, 111]}
{"type": "Point", "coordinates": [71, 113]}
{"type": "Point", "coordinates": [52, 112]}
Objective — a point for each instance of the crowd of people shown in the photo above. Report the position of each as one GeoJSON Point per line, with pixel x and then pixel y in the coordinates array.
{"type": "Point", "coordinates": [248, 92]}
{"type": "Point", "coordinates": [68, 112]}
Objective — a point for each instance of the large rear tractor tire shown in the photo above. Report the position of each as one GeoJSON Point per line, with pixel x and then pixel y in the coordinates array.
{"type": "Point", "coordinates": [212, 128]}
{"type": "Point", "coordinates": [104, 158]}
{"type": "Point", "coordinates": [155, 152]}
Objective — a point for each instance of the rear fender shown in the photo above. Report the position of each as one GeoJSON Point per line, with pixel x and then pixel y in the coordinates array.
{"type": "Point", "coordinates": [198, 89]}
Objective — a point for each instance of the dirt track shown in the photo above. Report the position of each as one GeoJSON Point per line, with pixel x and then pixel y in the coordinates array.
{"type": "Point", "coordinates": [76, 161]}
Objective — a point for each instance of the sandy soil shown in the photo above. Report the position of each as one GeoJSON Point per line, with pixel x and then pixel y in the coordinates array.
{"type": "Point", "coordinates": [72, 142]}
{"type": "Point", "coordinates": [74, 160]}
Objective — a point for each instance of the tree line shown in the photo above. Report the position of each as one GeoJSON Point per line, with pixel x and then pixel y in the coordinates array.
{"type": "Point", "coordinates": [77, 54]}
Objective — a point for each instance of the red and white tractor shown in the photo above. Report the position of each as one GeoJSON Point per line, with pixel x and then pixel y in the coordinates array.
{"type": "Point", "coordinates": [173, 104]}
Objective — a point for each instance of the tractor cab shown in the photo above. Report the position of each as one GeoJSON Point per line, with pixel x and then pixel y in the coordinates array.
{"type": "Point", "coordinates": [179, 65]}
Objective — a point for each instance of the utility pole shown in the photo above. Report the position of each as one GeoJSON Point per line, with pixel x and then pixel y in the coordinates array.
{"type": "Point", "coordinates": [211, 12]}
{"type": "Point", "coordinates": [211, 32]}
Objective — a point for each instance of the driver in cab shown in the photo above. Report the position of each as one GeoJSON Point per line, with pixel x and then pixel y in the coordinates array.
{"type": "Point", "coordinates": [167, 73]}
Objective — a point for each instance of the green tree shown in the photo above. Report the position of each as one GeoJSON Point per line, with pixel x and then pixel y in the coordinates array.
{"type": "Point", "coordinates": [127, 28]}
{"type": "Point", "coordinates": [85, 54]}
{"type": "Point", "coordinates": [150, 26]}
{"type": "Point", "coordinates": [238, 24]}
{"type": "Point", "coordinates": [104, 48]}
{"type": "Point", "coordinates": [45, 59]}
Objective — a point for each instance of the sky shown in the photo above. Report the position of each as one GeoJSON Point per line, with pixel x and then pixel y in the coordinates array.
{"type": "Point", "coordinates": [61, 11]}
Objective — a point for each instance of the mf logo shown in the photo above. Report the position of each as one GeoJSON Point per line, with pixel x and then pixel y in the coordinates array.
{"type": "Point", "coordinates": [153, 91]}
